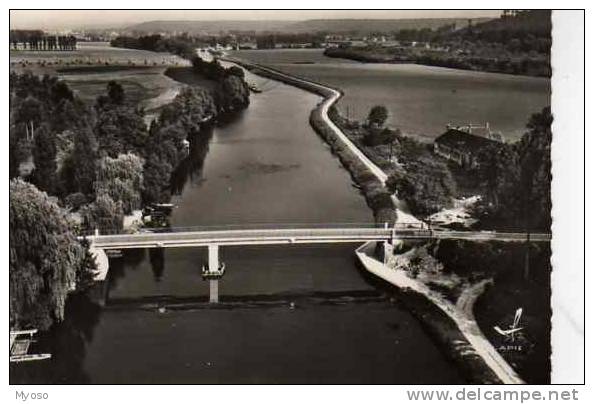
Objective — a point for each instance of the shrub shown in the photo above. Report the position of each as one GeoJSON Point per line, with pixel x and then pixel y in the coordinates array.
{"type": "Point", "coordinates": [75, 201]}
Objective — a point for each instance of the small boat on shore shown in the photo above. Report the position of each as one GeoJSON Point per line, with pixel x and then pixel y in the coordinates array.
{"type": "Point", "coordinates": [20, 343]}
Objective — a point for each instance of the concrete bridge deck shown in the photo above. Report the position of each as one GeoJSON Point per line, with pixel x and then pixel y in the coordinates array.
{"type": "Point", "coordinates": [264, 236]}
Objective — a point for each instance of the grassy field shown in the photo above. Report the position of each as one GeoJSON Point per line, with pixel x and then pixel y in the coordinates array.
{"type": "Point", "coordinates": [421, 99]}
{"type": "Point", "coordinates": [94, 53]}
{"type": "Point", "coordinates": [88, 70]}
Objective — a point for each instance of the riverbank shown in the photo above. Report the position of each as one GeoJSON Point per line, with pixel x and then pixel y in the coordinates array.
{"type": "Point", "coordinates": [519, 65]}
{"type": "Point", "coordinates": [456, 332]}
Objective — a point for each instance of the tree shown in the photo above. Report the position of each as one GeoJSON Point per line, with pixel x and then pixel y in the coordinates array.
{"type": "Point", "coordinates": [78, 171]}
{"type": "Point", "coordinates": [61, 92]}
{"type": "Point", "coordinates": [157, 178]}
{"type": "Point", "coordinates": [121, 179]}
{"type": "Point", "coordinates": [45, 257]}
{"type": "Point", "coordinates": [517, 179]}
{"type": "Point", "coordinates": [191, 107]}
{"type": "Point", "coordinates": [377, 116]}
{"type": "Point", "coordinates": [376, 136]}
{"type": "Point", "coordinates": [236, 94]}
{"type": "Point", "coordinates": [85, 277]}
{"type": "Point", "coordinates": [115, 92]}
{"type": "Point", "coordinates": [30, 112]}
{"type": "Point", "coordinates": [120, 130]}
{"type": "Point", "coordinates": [18, 149]}
{"type": "Point", "coordinates": [426, 185]}
{"type": "Point", "coordinates": [104, 214]}
{"type": "Point", "coordinates": [44, 156]}
{"type": "Point", "coordinates": [535, 165]}
{"type": "Point", "coordinates": [499, 173]}
{"type": "Point", "coordinates": [236, 71]}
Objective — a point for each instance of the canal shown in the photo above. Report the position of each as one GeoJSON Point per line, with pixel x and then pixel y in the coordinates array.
{"type": "Point", "coordinates": [298, 314]}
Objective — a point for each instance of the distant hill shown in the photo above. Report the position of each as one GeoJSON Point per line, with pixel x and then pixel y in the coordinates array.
{"type": "Point", "coordinates": [202, 27]}
{"type": "Point", "coordinates": [359, 26]}
{"type": "Point", "coordinates": [364, 26]}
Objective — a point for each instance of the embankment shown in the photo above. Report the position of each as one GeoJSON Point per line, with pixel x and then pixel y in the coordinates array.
{"type": "Point", "coordinates": [456, 333]}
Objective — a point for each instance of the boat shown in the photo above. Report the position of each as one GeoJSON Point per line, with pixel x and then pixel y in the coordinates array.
{"type": "Point", "coordinates": [162, 208]}
{"type": "Point", "coordinates": [254, 88]}
{"type": "Point", "coordinates": [20, 343]}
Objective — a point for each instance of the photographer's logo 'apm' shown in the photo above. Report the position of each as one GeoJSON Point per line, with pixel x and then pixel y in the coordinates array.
{"type": "Point", "coordinates": [510, 333]}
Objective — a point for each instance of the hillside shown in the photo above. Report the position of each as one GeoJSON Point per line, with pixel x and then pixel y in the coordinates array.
{"type": "Point", "coordinates": [360, 26]}
{"type": "Point", "coordinates": [205, 27]}
{"type": "Point", "coordinates": [527, 23]}
{"type": "Point", "coordinates": [365, 26]}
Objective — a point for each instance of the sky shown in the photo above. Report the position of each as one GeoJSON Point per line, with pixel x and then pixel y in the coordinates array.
{"type": "Point", "coordinates": [64, 19]}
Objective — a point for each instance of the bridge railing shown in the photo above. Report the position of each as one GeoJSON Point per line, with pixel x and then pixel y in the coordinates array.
{"type": "Point", "coordinates": [240, 236]}
{"type": "Point", "coordinates": [252, 226]}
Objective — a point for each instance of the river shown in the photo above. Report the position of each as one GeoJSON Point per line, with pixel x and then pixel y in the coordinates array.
{"type": "Point", "coordinates": [297, 314]}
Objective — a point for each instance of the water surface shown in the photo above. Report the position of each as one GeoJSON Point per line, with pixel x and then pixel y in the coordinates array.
{"type": "Point", "coordinates": [421, 99]}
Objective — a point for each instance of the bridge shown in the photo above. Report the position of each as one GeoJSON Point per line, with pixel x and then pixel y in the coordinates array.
{"type": "Point", "coordinates": [208, 237]}
{"type": "Point", "coordinates": [215, 237]}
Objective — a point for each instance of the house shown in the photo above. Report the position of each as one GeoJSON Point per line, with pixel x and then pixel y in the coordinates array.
{"type": "Point", "coordinates": [461, 146]}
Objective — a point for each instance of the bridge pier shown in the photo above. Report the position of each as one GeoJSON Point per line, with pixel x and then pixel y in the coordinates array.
{"type": "Point", "coordinates": [213, 257]}
{"type": "Point", "coordinates": [214, 291]}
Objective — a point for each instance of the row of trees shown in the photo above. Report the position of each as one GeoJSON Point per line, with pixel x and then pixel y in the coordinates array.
{"type": "Point", "coordinates": [38, 40]}
{"type": "Point", "coordinates": [181, 119]}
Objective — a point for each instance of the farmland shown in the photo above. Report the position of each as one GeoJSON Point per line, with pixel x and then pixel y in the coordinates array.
{"type": "Point", "coordinates": [88, 70]}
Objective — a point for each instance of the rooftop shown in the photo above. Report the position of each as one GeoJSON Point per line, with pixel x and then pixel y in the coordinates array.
{"type": "Point", "coordinates": [464, 141]}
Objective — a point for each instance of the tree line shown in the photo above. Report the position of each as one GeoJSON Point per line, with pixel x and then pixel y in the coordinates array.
{"type": "Point", "coordinates": [38, 40]}
{"type": "Point", "coordinates": [518, 43]}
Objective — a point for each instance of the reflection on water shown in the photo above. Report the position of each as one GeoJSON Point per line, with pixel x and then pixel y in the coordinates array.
{"type": "Point", "coordinates": [190, 169]}
{"type": "Point", "coordinates": [157, 258]}
{"type": "Point", "coordinates": [68, 344]}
